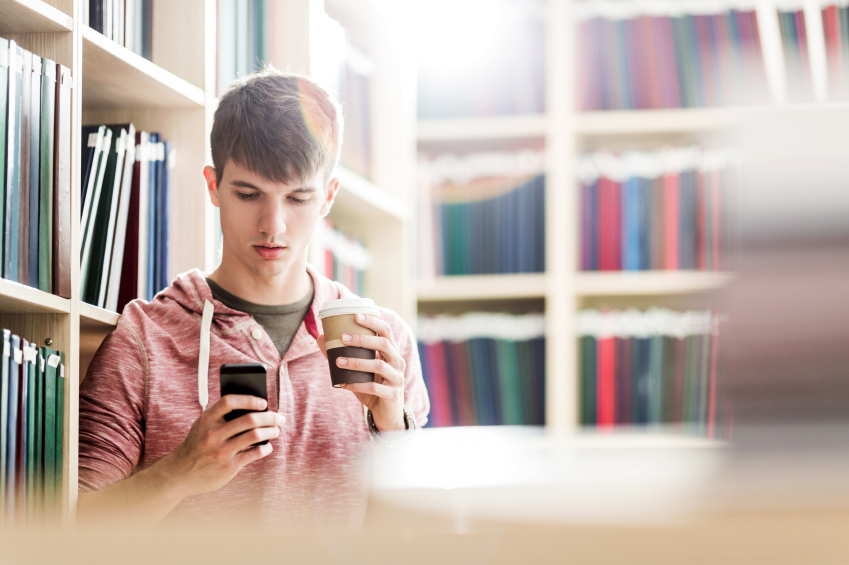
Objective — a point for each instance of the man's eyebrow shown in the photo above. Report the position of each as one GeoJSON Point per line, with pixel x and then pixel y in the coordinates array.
{"type": "Point", "coordinates": [303, 190]}
{"type": "Point", "coordinates": [244, 184]}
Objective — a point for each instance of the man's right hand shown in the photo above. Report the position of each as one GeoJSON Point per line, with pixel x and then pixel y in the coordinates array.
{"type": "Point", "coordinates": [215, 450]}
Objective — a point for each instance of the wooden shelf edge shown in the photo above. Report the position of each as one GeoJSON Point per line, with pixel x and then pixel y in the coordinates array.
{"type": "Point", "coordinates": [482, 287]}
{"type": "Point", "coordinates": [94, 317]}
{"type": "Point", "coordinates": [370, 194]}
{"type": "Point", "coordinates": [16, 298]}
{"type": "Point", "coordinates": [184, 94]}
{"type": "Point", "coordinates": [648, 283]}
{"type": "Point", "coordinates": [495, 127]}
{"type": "Point", "coordinates": [33, 16]}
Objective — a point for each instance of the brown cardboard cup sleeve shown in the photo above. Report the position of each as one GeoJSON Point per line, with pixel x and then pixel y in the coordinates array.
{"type": "Point", "coordinates": [338, 317]}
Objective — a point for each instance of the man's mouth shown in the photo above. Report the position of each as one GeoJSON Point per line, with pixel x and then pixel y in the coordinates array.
{"type": "Point", "coordinates": [269, 250]}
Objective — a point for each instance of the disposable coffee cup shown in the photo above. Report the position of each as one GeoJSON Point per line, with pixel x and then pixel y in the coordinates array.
{"type": "Point", "coordinates": [338, 317]}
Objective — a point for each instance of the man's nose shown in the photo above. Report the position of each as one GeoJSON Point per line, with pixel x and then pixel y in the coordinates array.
{"type": "Point", "coordinates": [273, 220]}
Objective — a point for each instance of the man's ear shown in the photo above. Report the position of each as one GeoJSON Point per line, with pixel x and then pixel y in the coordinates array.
{"type": "Point", "coordinates": [211, 184]}
{"type": "Point", "coordinates": [332, 190]}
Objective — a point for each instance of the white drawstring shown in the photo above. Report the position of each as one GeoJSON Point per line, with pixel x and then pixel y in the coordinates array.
{"type": "Point", "coordinates": [203, 360]}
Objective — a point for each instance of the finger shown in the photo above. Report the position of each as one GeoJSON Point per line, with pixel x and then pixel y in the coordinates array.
{"type": "Point", "coordinates": [250, 437]}
{"type": "Point", "coordinates": [252, 420]}
{"type": "Point", "coordinates": [376, 325]}
{"type": "Point", "coordinates": [230, 402]}
{"type": "Point", "coordinates": [377, 366]}
{"type": "Point", "coordinates": [320, 341]}
{"type": "Point", "coordinates": [373, 389]}
{"type": "Point", "coordinates": [380, 344]}
{"type": "Point", "coordinates": [253, 454]}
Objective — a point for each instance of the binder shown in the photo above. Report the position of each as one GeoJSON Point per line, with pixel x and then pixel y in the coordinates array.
{"type": "Point", "coordinates": [110, 283]}
{"type": "Point", "coordinates": [90, 212]}
{"type": "Point", "coordinates": [22, 471]}
{"type": "Point", "coordinates": [35, 182]}
{"type": "Point", "coordinates": [11, 196]}
{"type": "Point", "coordinates": [21, 232]}
{"type": "Point", "coordinates": [14, 399]}
{"type": "Point", "coordinates": [46, 226]}
{"type": "Point", "coordinates": [30, 361]}
{"type": "Point", "coordinates": [50, 425]}
{"type": "Point", "coordinates": [5, 364]}
{"type": "Point", "coordinates": [39, 429]}
{"type": "Point", "coordinates": [60, 431]}
{"type": "Point", "coordinates": [4, 87]}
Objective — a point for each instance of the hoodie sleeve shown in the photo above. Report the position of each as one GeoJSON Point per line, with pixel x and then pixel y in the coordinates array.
{"type": "Point", "coordinates": [415, 393]}
{"type": "Point", "coordinates": [112, 407]}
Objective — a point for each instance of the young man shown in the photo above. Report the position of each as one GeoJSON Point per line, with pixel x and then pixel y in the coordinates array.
{"type": "Point", "coordinates": [153, 439]}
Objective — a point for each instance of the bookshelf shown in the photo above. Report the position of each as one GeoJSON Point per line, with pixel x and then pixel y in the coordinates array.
{"type": "Point", "coordinates": [565, 133]}
{"type": "Point", "coordinates": [174, 94]}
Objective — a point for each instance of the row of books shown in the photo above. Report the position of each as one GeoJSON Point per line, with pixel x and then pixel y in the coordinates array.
{"type": "Point", "coordinates": [35, 161]}
{"type": "Point", "coordinates": [32, 408]}
{"type": "Point", "coordinates": [486, 214]}
{"type": "Point", "coordinates": [649, 367]}
{"type": "Point", "coordinates": [243, 39]}
{"type": "Point", "coordinates": [638, 54]}
{"type": "Point", "coordinates": [124, 224]}
{"type": "Point", "coordinates": [490, 62]}
{"type": "Point", "coordinates": [484, 368]}
{"type": "Point", "coordinates": [126, 22]}
{"type": "Point", "coordinates": [339, 256]}
{"type": "Point", "coordinates": [795, 43]}
{"type": "Point", "coordinates": [654, 210]}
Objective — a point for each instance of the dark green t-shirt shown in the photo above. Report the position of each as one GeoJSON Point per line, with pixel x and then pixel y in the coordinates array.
{"type": "Point", "coordinates": [281, 323]}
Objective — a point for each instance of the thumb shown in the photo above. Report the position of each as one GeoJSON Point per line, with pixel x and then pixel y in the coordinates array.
{"type": "Point", "coordinates": [320, 341]}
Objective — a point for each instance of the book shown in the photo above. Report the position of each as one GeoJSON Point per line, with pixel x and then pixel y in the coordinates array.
{"type": "Point", "coordinates": [43, 239]}
{"type": "Point", "coordinates": [110, 290]}
{"type": "Point", "coordinates": [97, 219]}
{"type": "Point", "coordinates": [50, 425]}
{"type": "Point", "coordinates": [5, 363]}
{"type": "Point", "coordinates": [59, 247]}
{"type": "Point", "coordinates": [60, 432]}
{"type": "Point", "coordinates": [92, 203]}
{"type": "Point", "coordinates": [13, 150]}
{"type": "Point", "coordinates": [20, 229]}
{"type": "Point", "coordinates": [12, 425]}
{"type": "Point", "coordinates": [4, 94]}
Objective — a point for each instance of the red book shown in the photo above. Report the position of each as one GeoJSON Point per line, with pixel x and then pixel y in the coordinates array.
{"type": "Point", "coordinates": [463, 385]}
{"type": "Point", "coordinates": [129, 287]}
{"type": "Point", "coordinates": [609, 225]}
{"type": "Point", "coordinates": [831, 25]}
{"type": "Point", "coordinates": [671, 217]}
{"type": "Point", "coordinates": [606, 392]}
{"type": "Point", "coordinates": [439, 403]}
{"type": "Point", "coordinates": [701, 221]}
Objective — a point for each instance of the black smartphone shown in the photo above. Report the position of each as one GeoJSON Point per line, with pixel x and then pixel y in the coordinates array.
{"type": "Point", "coordinates": [244, 378]}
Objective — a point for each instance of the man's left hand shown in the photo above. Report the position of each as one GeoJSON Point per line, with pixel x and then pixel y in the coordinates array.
{"type": "Point", "coordinates": [385, 396]}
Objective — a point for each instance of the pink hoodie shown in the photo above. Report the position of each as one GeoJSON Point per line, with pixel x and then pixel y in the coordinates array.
{"type": "Point", "coordinates": [148, 382]}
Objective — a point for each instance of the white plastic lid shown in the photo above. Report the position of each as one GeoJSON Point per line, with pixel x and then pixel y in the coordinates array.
{"type": "Point", "coordinates": [348, 306]}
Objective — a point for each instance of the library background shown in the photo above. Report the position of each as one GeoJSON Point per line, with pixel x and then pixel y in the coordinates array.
{"type": "Point", "coordinates": [546, 198]}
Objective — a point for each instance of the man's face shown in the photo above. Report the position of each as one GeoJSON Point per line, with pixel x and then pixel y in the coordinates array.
{"type": "Point", "coordinates": [267, 226]}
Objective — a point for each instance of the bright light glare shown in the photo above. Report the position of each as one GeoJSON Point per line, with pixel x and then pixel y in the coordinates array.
{"type": "Point", "coordinates": [451, 35]}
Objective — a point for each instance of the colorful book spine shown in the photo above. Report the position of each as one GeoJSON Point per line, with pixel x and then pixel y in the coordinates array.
{"type": "Point", "coordinates": [340, 256]}
{"type": "Point", "coordinates": [668, 54]}
{"type": "Point", "coordinates": [657, 210]}
{"type": "Point", "coordinates": [649, 367]}
{"type": "Point", "coordinates": [484, 369]}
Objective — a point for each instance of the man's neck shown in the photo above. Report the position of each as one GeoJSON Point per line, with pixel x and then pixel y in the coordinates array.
{"type": "Point", "coordinates": [285, 288]}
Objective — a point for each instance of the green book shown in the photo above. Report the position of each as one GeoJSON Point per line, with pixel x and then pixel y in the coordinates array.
{"type": "Point", "coordinates": [45, 214]}
{"type": "Point", "coordinates": [60, 429]}
{"type": "Point", "coordinates": [704, 380]}
{"type": "Point", "coordinates": [4, 86]}
{"type": "Point", "coordinates": [92, 202]}
{"type": "Point", "coordinates": [588, 380]}
{"type": "Point", "coordinates": [508, 381]}
{"type": "Point", "coordinates": [656, 381]}
{"type": "Point", "coordinates": [11, 195]}
{"type": "Point", "coordinates": [39, 430]}
{"type": "Point", "coordinates": [50, 378]}
{"type": "Point", "coordinates": [526, 372]}
{"type": "Point", "coordinates": [30, 359]}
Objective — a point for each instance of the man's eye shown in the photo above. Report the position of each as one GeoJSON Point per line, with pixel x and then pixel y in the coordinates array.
{"type": "Point", "coordinates": [294, 200]}
{"type": "Point", "coordinates": [248, 196]}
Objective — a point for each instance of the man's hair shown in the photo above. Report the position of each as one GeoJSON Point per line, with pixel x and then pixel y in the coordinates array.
{"type": "Point", "coordinates": [283, 126]}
